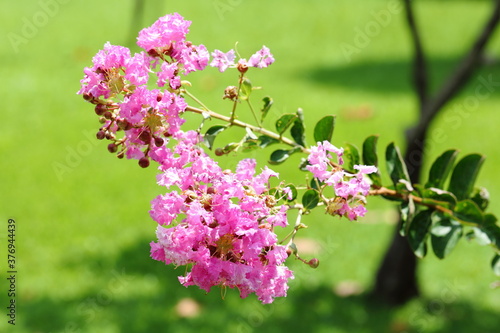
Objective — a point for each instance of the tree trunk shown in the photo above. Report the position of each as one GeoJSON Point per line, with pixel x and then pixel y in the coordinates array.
{"type": "Point", "coordinates": [396, 280]}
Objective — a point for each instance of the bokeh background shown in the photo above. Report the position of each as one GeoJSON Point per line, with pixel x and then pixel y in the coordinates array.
{"type": "Point", "coordinates": [83, 227]}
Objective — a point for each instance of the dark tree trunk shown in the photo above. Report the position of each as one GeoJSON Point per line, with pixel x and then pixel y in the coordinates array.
{"type": "Point", "coordinates": [396, 280]}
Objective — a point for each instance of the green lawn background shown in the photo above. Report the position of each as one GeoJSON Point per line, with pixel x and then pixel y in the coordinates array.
{"type": "Point", "coordinates": [83, 229]}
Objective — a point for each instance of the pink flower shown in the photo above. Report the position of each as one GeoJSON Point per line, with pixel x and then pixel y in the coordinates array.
{"type": "Point", "coordinates": [222, 60]}
{"type": "Point", "coordinates": [263, 58]}
{"type": "Point", "coordinates": [105, 77]}
{"type": "Point", "coordinates": [350, 189]}
{"type": "Point", "coordinates": [221, 223]}
{"type": "Point", "coordinates": [166, 31]}
{"type": "Point", "coordinates": [194, 58]}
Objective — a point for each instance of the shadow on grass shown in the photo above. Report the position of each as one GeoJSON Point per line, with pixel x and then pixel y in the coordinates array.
{"type": "Point", "coordinates": [390, 76]}
{"type": "Point", "coordinates": [133, 293]}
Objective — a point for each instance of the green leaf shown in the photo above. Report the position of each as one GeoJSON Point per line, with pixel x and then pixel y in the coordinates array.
{"type": "Point", "coordinates": [481, 197]}
{"type": "Point", "coordinates": [370, 150]}
{"type": "Point", "coordinates": [298, 129]}
{"type": "Point", "coordinates": [418, 232]}
{"type": "Point", "coordinates": [436, 196]}
{"type": "Point", "coordinates": [279, 156]}
{"type": "Point", "coordinates": [464, 175]}
{"type": "Point", "coordinates": [441, 168]}
{"type": "Point", "coordinates": [468, 211]}
{"type": "Point", "coordinates": [445, 234]}
{"type": "Point", "coordinates": [323, 131]}
{"type": "Point", "coordinates": [351, 157]}
{"type": "Point", "coordinates": [246, 89]}
{"type": "Point", "coordinates": [250, 145]}
{"type": "Point", "coordinates": [495, 264]}
{"type": "Point", "coordinates": [268, 102]}
{"type": "Point", "coordinates": [395, 164]}
{"type": "Point", "coordinates": [211, 134]}
{"type": "Point", "coordinates": [266, 141]}
{"type": "Point", "coordinates": [316, 184]}
{"type": "Point", "coordinates": [491, 230]}
{"type": "Point", "coordinates": [481, 236]}
{"type": "Point", "coordinates": [407, 210]}
{"type": "Point", "coordinates": [370, 158]}
{"type": "Point", "coordinates": [310, 199]}
{"type": "Point", "coordinates": [284, 122]}
{"type": "Point", "coordinates": [230, 147]}
{"type": "Point", "coordinates": [303, 164]}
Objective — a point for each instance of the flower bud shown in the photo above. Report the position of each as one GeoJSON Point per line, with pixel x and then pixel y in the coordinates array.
{"type": "Point", "coordinates": [313, 263]}
{"type": "Point", "coordinates": [158, 141]}
{"type": "Point", "coordinates": [108, 115]}
{"type": "Point", "coordinates": [88, 97]}
{"type": "Point", "coordinates": [144, 162]}
{"type": "Point", "coordinates": [219, 152]}
{"type": "Point", "coordinates": [100, 135]}
{"type": "Point", "coordinates": [112, 148]}
{"type": "Point", "coordinates": [100, 109]}
{"type": "Point", "coordinates": [145, 136]}
{"type": "Point", "coordinates": [242, 67]}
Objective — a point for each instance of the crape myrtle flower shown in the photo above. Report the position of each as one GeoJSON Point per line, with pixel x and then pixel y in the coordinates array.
{"type": "Point", "coordinates": [220, 223]}
{"type": "Point", "coordinates": [350, 189]}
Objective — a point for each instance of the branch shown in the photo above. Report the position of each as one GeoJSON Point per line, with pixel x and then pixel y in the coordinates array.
{"type": "Point", "coordinates": [256, 129]}
{"type": "Point", "coordinates": [463, 72]}
{"type": "Point", "coordinates": [419, 66]}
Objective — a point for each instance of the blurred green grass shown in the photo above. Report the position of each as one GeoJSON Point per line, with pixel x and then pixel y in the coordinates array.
{"type": "Point", "coordinates": [83, 231]}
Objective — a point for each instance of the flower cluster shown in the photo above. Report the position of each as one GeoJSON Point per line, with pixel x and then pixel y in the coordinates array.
{"type": "Point", "coordinates": [263, 58]}
{"type": "Point", "coordinates": [117, 84]}
{"type": "Point", "coordinates": [220, 222]}
{"type": "Point", "coordinates": [350, 189]}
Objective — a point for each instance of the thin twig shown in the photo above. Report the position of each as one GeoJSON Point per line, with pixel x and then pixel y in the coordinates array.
{"type": "Point", "coordinates": [242, 124]}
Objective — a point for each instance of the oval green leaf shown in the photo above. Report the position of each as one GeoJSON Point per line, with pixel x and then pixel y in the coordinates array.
{"type": "Point", "coordinates": [495, 264]}
{"type": "Point", "coordinates": [284, 122]}
{"type": "Point", "coordinates": [323, 131]}
{"type": "Point", "coordinates": [351, 157]}
{"type": "Point", "coordinates": [418, 232]}
{"type": "Point", "coordinates": [370, 158]}
{"type": "Point", "coordinates": [310, 199]}
{"type": "Point", "coordinates": [395, 164]}
{"type": "Point", "coordinates": [279, 156]}
{"type": "Point", "coordinates": [445, 234]}
{"type": "Point", "coordinates": [298, 129]}
{"type": "Point", "coordinates": [211, 134]}
{"type": "Point", "coordinates": [441, 168]}
{"type": "Point", "coordinates": [468, 211]}
{"type": "Point", "coordinates": [246, 89]}
{"type": "Point", "coordinates": [268, 102]}
{"type": "Point", "coordinates": [464, 175]}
